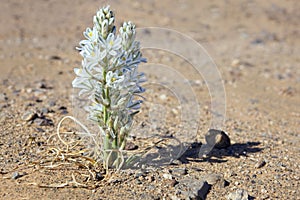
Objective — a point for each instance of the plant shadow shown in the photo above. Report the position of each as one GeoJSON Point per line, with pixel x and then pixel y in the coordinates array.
{"type": "Point", "coordinates": [163, 156]}
{"type": "Point", "coordinates": [215, 155]}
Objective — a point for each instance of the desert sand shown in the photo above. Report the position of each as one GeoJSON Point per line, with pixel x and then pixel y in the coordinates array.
{"type": "Point", "coordinates": [255, 48]}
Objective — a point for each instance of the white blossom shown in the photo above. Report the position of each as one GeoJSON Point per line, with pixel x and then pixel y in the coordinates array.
{"type": "Point", "coordinates": [109, 75]}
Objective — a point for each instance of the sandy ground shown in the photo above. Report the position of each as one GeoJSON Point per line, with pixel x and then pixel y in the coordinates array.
{"type": "Point", "coordinates": [255, 45]}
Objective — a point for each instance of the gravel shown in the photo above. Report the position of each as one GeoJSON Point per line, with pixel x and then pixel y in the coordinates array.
{"type": "Point", "coordinates": [239, 194]}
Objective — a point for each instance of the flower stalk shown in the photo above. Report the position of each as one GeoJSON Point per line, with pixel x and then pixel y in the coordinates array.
{"type": "Point", "coordinates": [110, 80]}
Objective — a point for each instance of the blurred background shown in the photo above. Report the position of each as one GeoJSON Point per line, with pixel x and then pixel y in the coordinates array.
{"type": "Point", "coordinates": [38, 38]}
{"type": "Point", "coordinates": [255, 44]}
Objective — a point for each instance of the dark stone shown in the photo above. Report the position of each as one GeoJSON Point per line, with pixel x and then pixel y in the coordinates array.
{"type": "Point", "coordinates": [43, 122]}
{"type": "Point", "coordinates": [3, 97]}
{"type": "Point", "coordinates": [16, 175]}
{"type": "Point", "coordinates": [62, 108]}
{"type": "Point", "coordinates": [260, 164]}
{"type": "Point", "coordinates": [55, 57]}
{"type": "Point", "coordinates": [257, 41]}
{"type": "Point", "coordinates": [131, 146]}
{"type": "Point", "coordinates": [39, 100]}
{"type": "Point", "coordinates": [193, 189]}
{"type": "Point", "coordinates": [173, 182]}
{"type": "Point", "coordinates": [42, 85]}
{"type": "Point", "coordinates": [99, 176]}
{"type": "Point", "coordinates": [138, 174]}
{"type": "Point", "coordinates": [203, 190]}
{"type": "Point", "coordinates": [29, 116]}
{"type": "Point", "coordinates": [217, 138]}
{"type": "Point", "coordinates": [64, 112]}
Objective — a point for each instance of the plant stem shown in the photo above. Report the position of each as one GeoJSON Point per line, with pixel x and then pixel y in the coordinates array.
{"type": "Point", "coordinates": [106, 145]}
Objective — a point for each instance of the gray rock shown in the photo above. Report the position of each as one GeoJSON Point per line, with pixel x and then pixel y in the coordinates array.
{"type": "Point", "coordinates": [203, 190]}
{"type": "Point", "coordinates": [40, 130]}
{"type": "Point", "coordinates": [138, 182]}
{"type": "Point", "coordinates": [193, 189]}
{"type": "Point", "coordinates": [176, 162]}
{"type": "Point", "coordinates": [4, 105]}
{"type": "Point", "coordinates": [217, 138]}
{"type": "Point", "coordinates": [16, 175]}
{"type": "Point", "coordinates": [168, 176]}
{"type": "Point", "coordinates": [179, 171]}
{"type": "Point", "coordinates": [131, 146]}
{"type": "Point", "coordinates": [150, 178]}
{"type": "Point", "coordinates": [172, 182]}
{"type": "Point", "coordinates": [173, 197]}
{"type": "Point", "coordinates": [3, 97]}
{"type": "Point", "coordinates": [44, 111]}
{"type": "Point", "coordinates": [139, 173]}
{"type": "Point", "coordinates": [99, 176]}
{"type": "Point", "coordinates": [215, 180]}
{"type": "Point", "coordinates": [114, 181]}
{"type": "Point", "coordinates": [239, 194]}
{"type": "Point", "coordinates": [29, 116]}
{"type": "Point", "coordinates": [52, 103]}
{"type": "Point", "coordinates": [43, 122]}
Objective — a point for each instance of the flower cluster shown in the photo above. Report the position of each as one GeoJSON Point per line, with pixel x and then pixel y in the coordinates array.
{"type": "Point", "coordinates": [109, 77]}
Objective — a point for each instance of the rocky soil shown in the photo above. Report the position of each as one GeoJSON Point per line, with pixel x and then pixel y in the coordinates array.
{"type": "Point", "coordinates": [255, 46]}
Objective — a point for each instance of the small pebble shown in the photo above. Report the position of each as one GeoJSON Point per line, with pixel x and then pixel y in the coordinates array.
{"type": "Point", "coordinates": [168, 176]}
{"type": "Point", "coordinates": [113, 181]}
{"type": "Point", "coordinates": [215, 179]}
{"type": "Point", "coordinates": [173, 182]}
{"type": "Point", "coordinates": [138, 181]}
{"type": "Point", "coordinates": [51, 103]}
{"type": "Point", "coordinates": [138, 174]}
{"type": "Point", "coordinates": [43, 122]}
{"type": "Point", "coordinates": [150, 178]}
{"type": "Point", "coordinates": [235, 63]}
{"type": "Point", "coordinates": [131, 146]}
{"type": "Point", "coordinates": [99, 176]}
{"type": "Point", "coordinates": [3, 106]}
{"type": "Point", "coordinates": [44, 111]}
{"type": "Point", "coordinates": [239, 194]}
{"type": "Point", "coordinates": [3, 97]}
{"type": "Point", "coordinates": [260, 164]}
{"type": "Point", "coordinates": [62, 108]}
{"type": "Point", "coordinates": [64, 112]}
{"type": "Point", "coordinates": [179, 171]}
{"type": "Point", "coordinates": [42, 85]}
{"type": "Point", "coordinates": [55, 57]}
{"type": "Point", "coordinates": [174, 111]}
{"type": "Point", "coordinates": [173, 197]}
{"type": "Point", "coordinates": [16, 175]}
{"type": "Point", "coordinates": [163, 97]}
{"type": "Point", "coordinates": [28, 116]}
{"type": "Point", "coordinates": [176, 162]}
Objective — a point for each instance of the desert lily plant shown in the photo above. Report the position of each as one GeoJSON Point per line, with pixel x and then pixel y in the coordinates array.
{"type": "Point", "coordinates": [110, 81]}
